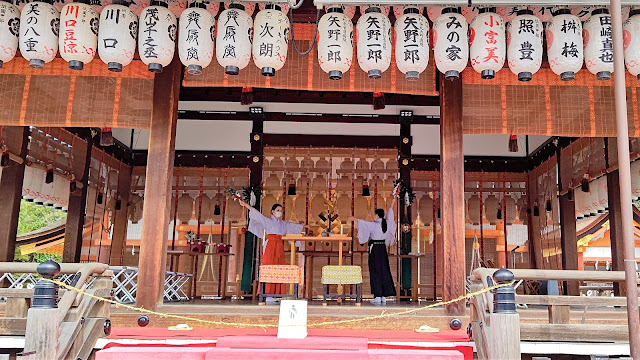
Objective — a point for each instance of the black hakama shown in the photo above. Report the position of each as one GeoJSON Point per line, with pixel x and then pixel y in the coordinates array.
{"type": "Point", "coordinates": [379, 271]}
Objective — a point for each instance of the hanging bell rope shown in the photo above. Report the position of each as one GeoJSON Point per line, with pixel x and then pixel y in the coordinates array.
{"type": "Point", "coordinates": [293, 35]}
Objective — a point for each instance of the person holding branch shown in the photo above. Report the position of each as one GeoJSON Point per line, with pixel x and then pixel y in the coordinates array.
{"type": "Point", "coordinates": [379, 233]}
{"type": "Point", "coordinates": [273, 247]}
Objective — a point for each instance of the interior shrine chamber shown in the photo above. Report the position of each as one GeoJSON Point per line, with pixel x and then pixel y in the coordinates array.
{"type": "Point", "coordinates": [135, 135]}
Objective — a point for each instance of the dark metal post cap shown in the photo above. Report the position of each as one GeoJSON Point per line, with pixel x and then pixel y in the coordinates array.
{"type": "Point", "coordinates": [48, 269]}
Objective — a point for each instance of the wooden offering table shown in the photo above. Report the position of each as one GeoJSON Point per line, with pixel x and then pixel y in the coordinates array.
{"type": "Point", "coordinates": [307, 239]}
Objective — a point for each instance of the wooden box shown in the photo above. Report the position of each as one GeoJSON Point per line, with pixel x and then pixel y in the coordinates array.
{"type": "Point", "coordinates": [346, 246]}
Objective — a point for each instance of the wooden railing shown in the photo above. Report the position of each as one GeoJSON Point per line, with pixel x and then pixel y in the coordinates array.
{"type": "Point", "coordinates": [68, 331]}
{"type": "Point", "coordinates": [559, 327]}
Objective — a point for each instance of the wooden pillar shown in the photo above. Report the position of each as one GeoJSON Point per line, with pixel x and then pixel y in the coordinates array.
{"type": "Point", "coordinates": [615, 228]}
{"type": "Point", "coordinates": [121, 219]}
{"type": "Point", "coordinates": [16, 138]}
{"type": "Point", "coordinates": [568, 234]}
{"type": "Point", "coordinates": [74, 231]}
{"type": "Point", "coordinates": [404, 215]}
{"type": "Point", "coordinates": [533, 228]}
{"type": "Point", "coordinates": [157, 196]}
{"type": "Point", "coordinates": [255, 179]}
{"type": "Point", "coordinates": [452, 193]}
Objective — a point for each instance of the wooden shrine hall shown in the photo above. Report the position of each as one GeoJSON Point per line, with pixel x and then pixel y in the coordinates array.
{"type": "Point", "coordinates": [141, 155]}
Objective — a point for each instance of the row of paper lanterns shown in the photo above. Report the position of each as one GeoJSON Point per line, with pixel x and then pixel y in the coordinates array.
{"type": "Point", "coordinates": [487, 42]}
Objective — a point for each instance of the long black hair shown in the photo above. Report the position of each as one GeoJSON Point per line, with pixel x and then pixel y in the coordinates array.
{"type": "Point", "coordinates": [380, 213]}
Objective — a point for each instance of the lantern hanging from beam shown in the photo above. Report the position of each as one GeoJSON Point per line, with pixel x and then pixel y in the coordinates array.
{"type": "Point", "coordinates": [564, 44]}
{"type": "Point", "coordinates": [524, 44]}
{"type": "Point", "coordinates": [412, 43]}
{"type": "Point", "coordinates": [632, 43]}
{"type": "Point", "coordinates": [9, 31]}
{"type": "Point", "coordinates": [271, 39]}
{"type": "Point", "coordinates": [233, 40]}
{"type": "Point", "coordinates": [451, 47]}
{"type": "Point", "coordinates": [39, 33]}
{"type": "Point", "coordinates": [157, 36]}
{"type": "Point", "coordinates": [598, 52]}
{"type": "Point", "coordinates": [117, 36]}
{"type": "Point", "coordinates": [374, 42]}
{"type": "Point", "coordinates": [78, 42]}
{"type": "Point", "coordinates": [470, 12]}
{"type": "Point", "coordinates": [195, 38]}
{"type": "Point", "coordinates": [335, 42]}
{"type": "Point", "coordinates": [508, 12]}
{"type": "Point", "coordinates": [487, 38]}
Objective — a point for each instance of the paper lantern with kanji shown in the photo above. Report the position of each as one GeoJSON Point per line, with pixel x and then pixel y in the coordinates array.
{"type": "Point", "coordinates": [195, 38]}
{"type": "Point", "coordinates": [270, 40]}
{"type": "Point", "coordinates": [488, 45]}
{"type": "Point", "coordinates": [412, 43]}
{"type": "Point", "coordinates": [598, 51]}
{"type": "Point", "coordinates": [631, 34]}
{"type": "Point", "coordinates": [9, 31]}
{"type": "Point", "coordinates": [233, 40]}
{"type": "Point", "coordinates": [564, 44]}
{"type": "Point", "coordinates": [78, 41]}
{"type": "Point", "coordinates": [524, 44]}
{"type": "Point", "coordinates": [335, 43]}
{"type": "Point", "coordinates": [157, 36]}
{"type": "Point", "coordinates": [117, 36]}
{"type": "Point", "coordinates": [451, 45]}
{"type": "Point", "coordinates": [374, 42]}
{"type": "Point", "coordinates": [39, 33]}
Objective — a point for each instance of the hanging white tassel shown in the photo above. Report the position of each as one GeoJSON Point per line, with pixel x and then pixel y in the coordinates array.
{"type": "Point", "coordinates": [252, 199]}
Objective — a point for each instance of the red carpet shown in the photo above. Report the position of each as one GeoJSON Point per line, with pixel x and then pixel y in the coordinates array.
{"type": "Point", "coordinates": [212, 334]}
{"type": "Point", "coordinates": [269, 347]}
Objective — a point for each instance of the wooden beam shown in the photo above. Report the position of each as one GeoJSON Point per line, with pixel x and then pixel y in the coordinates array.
{"type": "Point", "coordinates": [341, 141]}
{"type": "Point", "coordinates": [404, 153]}
{"type": "Point", "coordinates": [157, 199]}
{"type": "Point", "coordinates": [615, 228]}
{"type": "Point", "coordinates": [121, 220]}
{"type": "Point", "coordinates": [452, 193]}
{"type": "Point", "coordinates": [16, 138]}
{"type": "Point", "coordinates": [533, 228]}
{"type": "Point", "coordinates": [80, 164]}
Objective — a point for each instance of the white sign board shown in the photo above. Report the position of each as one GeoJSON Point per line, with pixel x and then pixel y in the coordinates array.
{"type": "Point", "coordinates": [293, 319]}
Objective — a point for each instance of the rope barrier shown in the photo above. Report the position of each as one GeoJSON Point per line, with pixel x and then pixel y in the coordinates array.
{"type": "Point", "coordinates": [263, 326]}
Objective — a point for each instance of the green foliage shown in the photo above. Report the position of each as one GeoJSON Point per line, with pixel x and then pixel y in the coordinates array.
{"type": "Point", "coordinates": [34, 217]}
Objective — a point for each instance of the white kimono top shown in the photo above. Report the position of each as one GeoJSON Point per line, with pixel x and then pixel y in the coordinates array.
{"type": "Point", "coordinates": [373, 230]}
{"type": "Point", "coordinates": [260, 224]}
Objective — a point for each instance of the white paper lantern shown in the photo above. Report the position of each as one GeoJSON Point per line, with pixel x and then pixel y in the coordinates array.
{"type": "Point", "coordinates": [271, 40]}
{"type": "Point", "coordinates": [412, 43]}
{"type": "Point", "coordinates": [335, 43]}
{"type": "Point", "coordinates": [157, 36]}
{"type": "Point", "coordinates": [39, 33]}
{"type": "Point", "coordinates": [632, 43]}
{"type": "Point", "coordinates": [374, 42]}
{"type": "Point", "coordinates": [564, 44]}
{"type": "Point", "coordinates": [451, 45]}
{"type": "Point", "coordinates": [233, 41]}
{"type": "Point", "coordinates": [117, 36]}
{"type": "Point", "coordinates": [488, 45]}
{"type": "Point", "coordinates": [78, 39]}
{"type": "Point", "coordinates": [32, 183]}
{"type": "Point", "coordinates": [598, 51]}
{"type": "Point", "coordinates": [195, 39]}
{"type": "Point", "coordinates": [524, 44]}
{"type": "Point", "coordinates": [9, 31]}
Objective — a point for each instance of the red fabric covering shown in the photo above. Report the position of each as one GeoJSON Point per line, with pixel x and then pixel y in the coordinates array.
{"type": "Point", "coordinates": [467, 351]}
{"type": "Point", "coordinates": [204, 334]}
